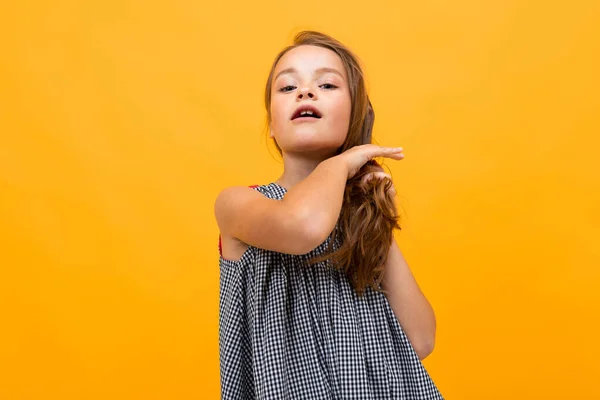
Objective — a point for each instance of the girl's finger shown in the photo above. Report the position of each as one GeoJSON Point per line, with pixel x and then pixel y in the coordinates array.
{"type": "Point", "coordinates": [378, 174]}
{"type": "Point", "coordinates": [395, 156]}
{"type": "Point", "coordinates": [392, 150]}
{"type": "Point", "coordinates": [378, 151]}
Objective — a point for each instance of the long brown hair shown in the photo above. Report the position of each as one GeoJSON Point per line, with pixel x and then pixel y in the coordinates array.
{"type": "Point", "coordinates": [364, 231]}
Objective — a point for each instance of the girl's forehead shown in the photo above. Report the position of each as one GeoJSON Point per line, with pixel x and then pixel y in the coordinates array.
{"type": "Point", "coordinates": [307, 57]}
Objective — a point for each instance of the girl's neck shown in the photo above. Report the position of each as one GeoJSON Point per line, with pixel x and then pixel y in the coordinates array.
{"type": "Point", "coordinates": [296, 167]}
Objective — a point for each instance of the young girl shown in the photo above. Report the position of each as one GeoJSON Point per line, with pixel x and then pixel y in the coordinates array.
{"type": "Point", "coordinates": [316, 299]}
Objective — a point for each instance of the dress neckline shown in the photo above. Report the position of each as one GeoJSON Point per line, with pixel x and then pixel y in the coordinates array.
{"type": "Point", "coordinates": [279, 186]}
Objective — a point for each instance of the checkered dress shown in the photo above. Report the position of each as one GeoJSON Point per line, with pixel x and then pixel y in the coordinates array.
{"type": "Point", "coordinates": [290, 331]}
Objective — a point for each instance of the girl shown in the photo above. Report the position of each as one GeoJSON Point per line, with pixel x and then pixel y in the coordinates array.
{"type": "Point", "coordinates": [316, 299]}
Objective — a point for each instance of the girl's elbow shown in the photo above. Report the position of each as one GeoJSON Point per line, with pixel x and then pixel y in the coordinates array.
{"type": "Point", "coordinates": [425, 348]}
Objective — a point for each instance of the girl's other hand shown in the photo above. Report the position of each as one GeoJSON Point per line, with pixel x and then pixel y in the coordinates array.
{"type": "Point", "coordinates": [375, 171]}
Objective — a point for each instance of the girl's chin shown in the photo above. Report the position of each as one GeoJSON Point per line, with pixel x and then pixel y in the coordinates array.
{"type": "Point", "coordinates": [312, 146]}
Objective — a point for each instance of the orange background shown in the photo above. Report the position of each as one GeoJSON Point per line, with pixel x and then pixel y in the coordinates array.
{"type": "Point", "coordinates": [120, 121]}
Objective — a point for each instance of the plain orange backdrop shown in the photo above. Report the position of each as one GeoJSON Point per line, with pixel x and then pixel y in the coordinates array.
{"type": "Point", "coordinates": [120, 121]}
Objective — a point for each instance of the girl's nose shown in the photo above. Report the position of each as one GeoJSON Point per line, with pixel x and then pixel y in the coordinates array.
{"type": "Point", "coordinates": [305, 93]}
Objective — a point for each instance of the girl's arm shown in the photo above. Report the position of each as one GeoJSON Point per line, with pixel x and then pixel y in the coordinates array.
{"type": "Point", "coordinates": [318, 198]}
{"type": "Point", "coordinates": [410, 306]}
{"type": "Point", "coordinates": [308, 212]}
{"type": "Point", "coordinates": [294, 225]}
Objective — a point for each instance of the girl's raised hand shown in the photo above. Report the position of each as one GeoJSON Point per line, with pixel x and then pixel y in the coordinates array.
{"type": "Point", "coordinates": [358, 156]}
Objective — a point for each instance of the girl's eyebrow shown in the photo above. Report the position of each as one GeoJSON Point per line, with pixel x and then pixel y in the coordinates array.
{"type": "Point", "coordinates": [292, 70]}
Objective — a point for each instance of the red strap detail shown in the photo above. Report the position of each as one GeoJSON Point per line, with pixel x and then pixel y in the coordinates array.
{"type": "Point", "coordinates": [220, 245]}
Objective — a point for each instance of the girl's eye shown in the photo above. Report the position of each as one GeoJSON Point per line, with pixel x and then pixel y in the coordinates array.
{"type": "Point", "coordinates": [329, 86]}
{"type": "Point", "coordinates": [287, 88]}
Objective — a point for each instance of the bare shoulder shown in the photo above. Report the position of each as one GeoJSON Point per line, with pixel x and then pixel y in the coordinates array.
{"type": "Point", "coordinates": [230, 200]}
{"type": "Point", "coordinates": [232, 248]}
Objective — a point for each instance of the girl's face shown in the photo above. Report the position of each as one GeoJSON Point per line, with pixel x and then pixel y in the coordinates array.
{"type": "Point", "coordinates": [310, 77]}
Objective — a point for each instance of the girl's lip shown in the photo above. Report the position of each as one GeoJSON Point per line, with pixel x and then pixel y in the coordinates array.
{"type": "Point", "coordinates": [304, 119]}
{"type": "Point", "coordinates": [306, 107]}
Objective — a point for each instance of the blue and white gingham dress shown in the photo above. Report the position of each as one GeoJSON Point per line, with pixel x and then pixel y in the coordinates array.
{"type": "Point", "coordinates": [290, 331]}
